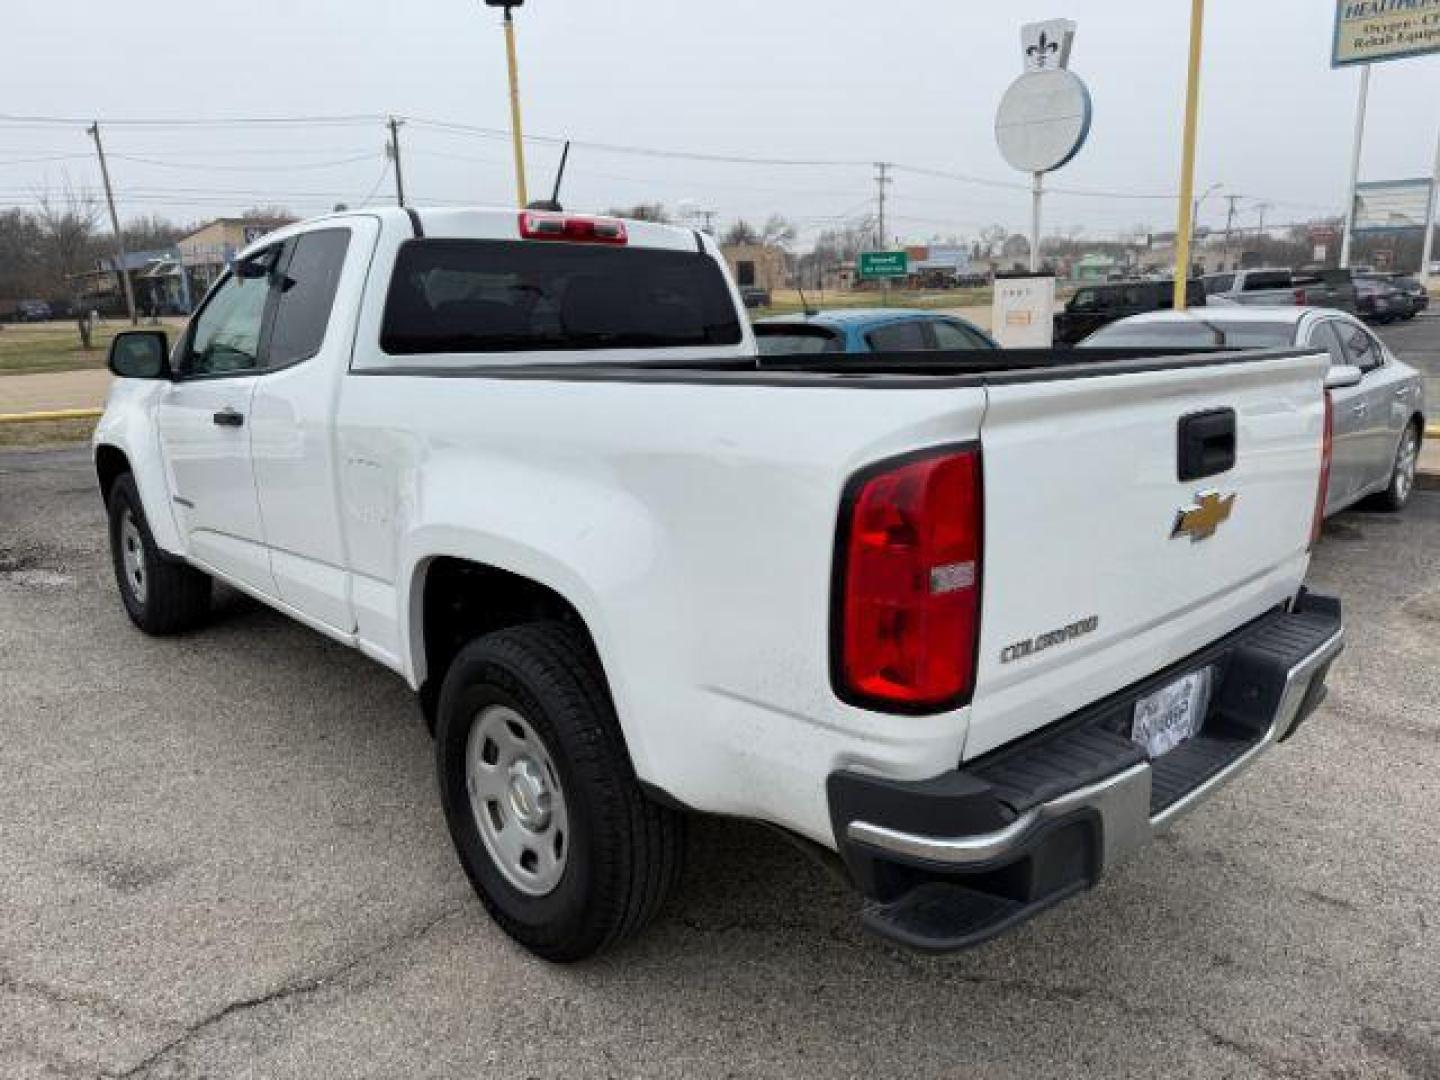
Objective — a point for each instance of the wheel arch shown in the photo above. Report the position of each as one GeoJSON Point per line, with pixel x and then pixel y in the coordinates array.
{"type": "Point", "coordinates": [111, 463]}
{"type": "Point", "coordinates": [454, 599]}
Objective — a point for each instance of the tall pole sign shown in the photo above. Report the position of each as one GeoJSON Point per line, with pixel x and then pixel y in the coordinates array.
{"type": "Point", "coordinates": [1044, 117]}
{"type": "Point", "coordinates": [1371, 32]}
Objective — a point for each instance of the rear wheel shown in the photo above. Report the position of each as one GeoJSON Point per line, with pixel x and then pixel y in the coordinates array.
{"type": "Point", "coordinates": [564, 849]}
{"type": "Point", "coordinates": [161, 595]}
{"type": "Point", "coordinates": [1402, 474]}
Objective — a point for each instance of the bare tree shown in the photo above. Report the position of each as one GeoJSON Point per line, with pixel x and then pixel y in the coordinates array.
{"type": "Point", "coordinates": [151, 233]}
{"type": "Point", "coordinates": [272, 216]}
{"type": "Point", "coordinates": [739, 234]}
{"type": "Point", "coordinates": [654, 211]}
{"type": "Point", "coordinates": [67, 242]}
{"type": "Point", "coordinates": [777, 232]}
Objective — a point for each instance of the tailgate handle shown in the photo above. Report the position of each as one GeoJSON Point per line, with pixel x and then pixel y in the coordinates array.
{"type": "Point", "coordinates": [1206, 445]}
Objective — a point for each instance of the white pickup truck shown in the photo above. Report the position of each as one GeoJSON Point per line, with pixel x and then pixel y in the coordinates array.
{"type": "Point", "coordinates": [977, 623]}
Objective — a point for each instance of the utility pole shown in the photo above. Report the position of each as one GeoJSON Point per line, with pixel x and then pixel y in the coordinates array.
{"type": "Point", "coordinates": [395, 157]}
{"type": "Point", "coordinates": [1229, 226]}
{"type": "Point", "coordinates": [94, 132]}
{"type": "Point", "coordinates": [882, 181]}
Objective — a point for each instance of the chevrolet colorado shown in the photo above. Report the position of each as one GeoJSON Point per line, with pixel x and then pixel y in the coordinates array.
{"type": "Point", "coordinates": [977, 623]}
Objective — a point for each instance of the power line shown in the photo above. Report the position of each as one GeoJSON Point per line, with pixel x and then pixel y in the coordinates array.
{"type": "Point", "coordinates": [206, 167]}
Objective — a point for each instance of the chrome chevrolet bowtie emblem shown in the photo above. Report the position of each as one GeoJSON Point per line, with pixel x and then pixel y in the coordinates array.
{"type": "Point", "coordinates": [1200, 520]}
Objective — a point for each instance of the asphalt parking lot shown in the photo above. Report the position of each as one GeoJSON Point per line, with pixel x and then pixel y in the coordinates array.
{"type": "Point", "coordinates": [222, 855]}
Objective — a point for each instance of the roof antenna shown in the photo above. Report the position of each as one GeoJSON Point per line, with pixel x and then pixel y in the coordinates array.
{"type": "Point", "coordinates": [810, 312]}
{"type": "Point", "coordinates": [553, 203]}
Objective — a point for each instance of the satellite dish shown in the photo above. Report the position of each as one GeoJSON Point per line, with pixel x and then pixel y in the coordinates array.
{"type": "Point", "coordinates": [1043, 121]}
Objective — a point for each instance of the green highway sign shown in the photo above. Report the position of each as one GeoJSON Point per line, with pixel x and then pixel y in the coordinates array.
{"type": "Point", "coordinates": [884, 264]}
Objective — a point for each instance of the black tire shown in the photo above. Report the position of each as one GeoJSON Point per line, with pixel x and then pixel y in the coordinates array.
{"type": "Point", "coordinates": [624, 852]}
{"type": "Point", "coordinates": [1402, 472]}
{"type": "Point", "coordinates": [169, 597]}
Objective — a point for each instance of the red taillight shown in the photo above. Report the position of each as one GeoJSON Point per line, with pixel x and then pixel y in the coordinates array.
{"type": "Point", "coordinates": [1301, 299]}
{"type": "Point", "coordinates": [1327, 449]}
{"type": "Point", "coordinates": [908, 614]}
{"type": "Point", "coordinates": [538, 225]}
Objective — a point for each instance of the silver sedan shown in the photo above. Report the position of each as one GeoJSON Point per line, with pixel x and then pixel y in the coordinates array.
{"type": "Point", "coordinates": [1378, 423]}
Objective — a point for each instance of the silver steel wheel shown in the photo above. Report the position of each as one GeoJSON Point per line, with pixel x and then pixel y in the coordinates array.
{"type": "Point", "coordinates": [1406, 461]}
{"type": "Point", "coordinates": [132, 556]}
{"type": "Point", "coordinates": [517, 800]}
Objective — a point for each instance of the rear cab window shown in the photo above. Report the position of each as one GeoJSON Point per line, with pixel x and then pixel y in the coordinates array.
{"type": "Point", "coordinates": [505, 296]}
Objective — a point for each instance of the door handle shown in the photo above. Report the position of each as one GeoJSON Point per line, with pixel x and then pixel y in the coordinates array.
{"type": "Point", "coordinates": [228, 417]}
{"type": "Point", "coordinates": [1359, 410]}
{"type": "Point", "coordinates": [1404, 391]}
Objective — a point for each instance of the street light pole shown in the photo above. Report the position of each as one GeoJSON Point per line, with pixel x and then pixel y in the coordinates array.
{"type": "Point", "coordinates": [1187, 157]}
{"type": "Point", "coordinates": [516, 133]}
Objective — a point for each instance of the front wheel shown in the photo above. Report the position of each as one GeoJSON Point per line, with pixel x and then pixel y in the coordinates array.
{"type": "Point", "coordinates": [1402, 474]}
{"type": "Point", "coordinates": [161, 595]}
{"type": "Point", "coordinates": [564, 849]}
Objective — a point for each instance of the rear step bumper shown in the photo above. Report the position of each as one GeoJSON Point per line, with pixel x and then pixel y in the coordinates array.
{"type": "Point", "coordinates": [950, 862]}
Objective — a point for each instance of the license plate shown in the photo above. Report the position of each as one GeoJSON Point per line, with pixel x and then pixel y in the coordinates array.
{"type": "Point", "coordinates": [1169, 716]}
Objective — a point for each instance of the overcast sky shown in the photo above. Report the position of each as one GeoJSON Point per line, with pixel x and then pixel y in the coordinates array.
{"type": "Point", "coordinates": [914, 82]}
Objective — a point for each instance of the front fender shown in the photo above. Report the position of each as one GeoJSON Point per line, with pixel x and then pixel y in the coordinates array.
{"type": "Point", "coordinates": [128, 425]}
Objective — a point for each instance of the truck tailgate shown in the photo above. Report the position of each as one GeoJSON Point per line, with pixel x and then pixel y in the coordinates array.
{"type": "Point", "coordinates": [1087, 587]}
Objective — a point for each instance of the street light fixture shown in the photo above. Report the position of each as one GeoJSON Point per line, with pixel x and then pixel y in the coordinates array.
{"type": "Point", "coordinates": [515, 130]}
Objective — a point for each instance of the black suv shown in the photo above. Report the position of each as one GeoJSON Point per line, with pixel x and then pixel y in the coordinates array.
{"type": "Point", "coordinates": [1094, 306]}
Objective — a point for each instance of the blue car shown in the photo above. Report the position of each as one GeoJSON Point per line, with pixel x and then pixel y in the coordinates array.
{"type": "Point", "coordinates": [867, 330]}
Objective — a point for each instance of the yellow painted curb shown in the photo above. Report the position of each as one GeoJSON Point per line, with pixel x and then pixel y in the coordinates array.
{"type": "Point", "coordinates": [1432, 432]}
{"type": "Point", "coordinates": [50, 417]}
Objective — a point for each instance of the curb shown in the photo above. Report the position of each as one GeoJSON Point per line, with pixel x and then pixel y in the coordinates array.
{"type": "Point", "coordinates": [50, 417]}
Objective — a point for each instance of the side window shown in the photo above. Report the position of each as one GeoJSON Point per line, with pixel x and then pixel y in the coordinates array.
{"type": "Point", "coordinates": [226, 335]}
{"type": "Point", "coordinates": [1085, 300]}
{"type": "Point", "coordinates": [899, 337]}
{"type": "Point", "coordinates": [953, 335]}
{"type": "Point", "coordinates": [306, 290]}
{"type": "Point", "coordinates": [1361, 349]}
{"type": "Point", "coordinates": [1325, 337]}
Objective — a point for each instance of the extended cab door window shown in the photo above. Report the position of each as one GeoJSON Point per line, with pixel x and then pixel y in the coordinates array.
{"type": "Point", "coordinates": [226, 336]}
{"type": "Point", "coordinates": [305, 296]}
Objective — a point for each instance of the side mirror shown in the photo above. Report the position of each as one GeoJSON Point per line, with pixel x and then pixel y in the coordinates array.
{"type": "Point", "coordinates": [1341, 376]}
{"type": "Point", "coordinates": [141, 354]}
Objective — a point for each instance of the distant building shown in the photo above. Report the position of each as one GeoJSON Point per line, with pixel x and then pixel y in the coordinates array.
{"type": "Point", "coordinates": [939, 265]}
{"type": "Point", "coordinates": [156, 282]}
{"type": "Point", "coordinates": [759, 266]}
{"type": "Point", "coordinates": [206, 252]}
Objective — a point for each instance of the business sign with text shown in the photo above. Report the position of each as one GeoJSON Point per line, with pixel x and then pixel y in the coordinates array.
{"type": "Point", "coordinates": [876, 265]}
{"type": "Point", "coordinates": [1369, 31]}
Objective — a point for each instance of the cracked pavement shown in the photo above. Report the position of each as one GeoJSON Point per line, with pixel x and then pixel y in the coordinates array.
{"type": "Point", "coordinates": [222, 856]}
